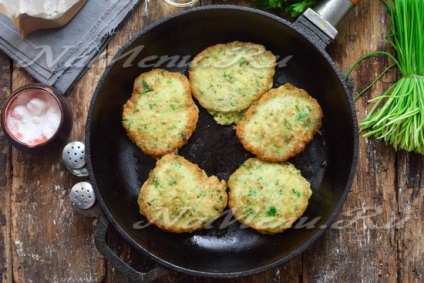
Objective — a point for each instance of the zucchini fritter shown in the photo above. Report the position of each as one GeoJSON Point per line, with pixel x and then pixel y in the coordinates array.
{"type": "Point", "coordinates": [230, 77]}
{"type": "Point", "coordinates": [268, 197]}
{"type": "Point", "coordinates": [179, 197]}
{"type": "Point", "coordinates": [161, 115]}
{"type": "Point", "coordinates": [280, 124]}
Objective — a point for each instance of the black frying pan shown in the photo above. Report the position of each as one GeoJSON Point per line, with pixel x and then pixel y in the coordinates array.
{"type": "Point", "coordinates": [118, 168]}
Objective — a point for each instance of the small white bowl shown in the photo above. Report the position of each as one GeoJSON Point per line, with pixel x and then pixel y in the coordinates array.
{"type": "Point", "coordinates": [35, 122]}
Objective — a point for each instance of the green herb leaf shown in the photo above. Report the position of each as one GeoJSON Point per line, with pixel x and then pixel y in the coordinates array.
{"type": "Point", "coordinates": [272, 211]}
{"type": "Point", "coordinates": [291, 7]}
{"type": "Point", "coordinates": [146, 87]}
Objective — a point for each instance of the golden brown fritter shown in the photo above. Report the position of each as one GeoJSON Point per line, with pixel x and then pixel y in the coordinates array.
{"type": "Point", "coordinates": [179, 197]}
{"type": "Point", "coordinates": [268, 197]}
{"type": "Point", "coordinates": [280, 124]}
{"type": "Point", "coordinates": [161, 115]}
{"type": "Point", "coordinates": [229, 77]}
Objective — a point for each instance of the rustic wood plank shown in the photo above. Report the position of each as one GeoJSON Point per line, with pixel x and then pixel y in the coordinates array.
{"type": "Point", "coordinates": [51, 242]}
{"type": "Point", "coordinates": [410, 228]}
{"type": "Point", "coordinates": [361, 244]}
{"type": "Point", "coordinates": [5, 179]}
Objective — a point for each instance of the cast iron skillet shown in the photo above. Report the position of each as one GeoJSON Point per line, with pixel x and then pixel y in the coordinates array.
{"type": "Point", "coordinates": [117, 167]}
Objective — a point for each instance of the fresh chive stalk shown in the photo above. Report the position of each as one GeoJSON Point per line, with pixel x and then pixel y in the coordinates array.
{"type": "Point", "coordinates": [397, 115]}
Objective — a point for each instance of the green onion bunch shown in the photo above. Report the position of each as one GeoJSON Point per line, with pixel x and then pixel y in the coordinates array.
{"type": "Point", "coordinates": [397, 115]}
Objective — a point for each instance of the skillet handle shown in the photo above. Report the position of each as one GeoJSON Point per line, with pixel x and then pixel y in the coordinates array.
{"type": "Point", "coordinates": [105, 250]}
{"type": "Point", "coordinates": [334, 11]}
{"type": "Point", "coordinates": [320, 23]}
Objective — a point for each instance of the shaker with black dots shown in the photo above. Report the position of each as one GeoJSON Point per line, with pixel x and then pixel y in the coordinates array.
{"type": "Point", "coordinates": [73, 155]}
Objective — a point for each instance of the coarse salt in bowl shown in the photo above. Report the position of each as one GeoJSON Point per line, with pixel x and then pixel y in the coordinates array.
{"type": "Point", "coordinates": [36, 117]}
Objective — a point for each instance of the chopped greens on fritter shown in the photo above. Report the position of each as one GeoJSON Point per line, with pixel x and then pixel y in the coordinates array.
{"type": "Point", "coordinates": [161, 115]}
{"type": "Point", "coordinates": [268, 197]}
{"type": "Point", "coordinates": [228, 78]}
{"type": "Point", "coordinates": [179, 197]}
{"type": "Point", "coordinates": [280, 124]}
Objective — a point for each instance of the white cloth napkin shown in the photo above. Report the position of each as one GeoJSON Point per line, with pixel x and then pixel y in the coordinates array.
{"type": "Point", "coordinates": [59, 57]}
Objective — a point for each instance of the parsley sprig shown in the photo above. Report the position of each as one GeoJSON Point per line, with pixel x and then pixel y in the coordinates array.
{"type": "Point", "coordinates": [292, 7]}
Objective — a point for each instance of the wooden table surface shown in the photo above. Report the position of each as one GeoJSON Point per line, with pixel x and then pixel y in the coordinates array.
{"type": "Point", "coordinates": [378, 236]}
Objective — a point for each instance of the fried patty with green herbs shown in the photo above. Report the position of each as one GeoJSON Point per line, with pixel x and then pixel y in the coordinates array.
{"type": "Point", "coordinates": [179, 197]}
{"type": "Point", "coordinates": [161, 115]}
{"type": "Point", "coordinates": [229, 77]}
{"type": "Point", "coordinates": [280, 124]}
{"type": "Point", "coordinates": [268, 197]}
